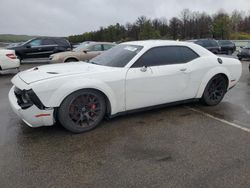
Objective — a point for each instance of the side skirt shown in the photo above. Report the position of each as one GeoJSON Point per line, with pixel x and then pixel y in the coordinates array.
{"type": "Point", "coordinates": [153, 107]}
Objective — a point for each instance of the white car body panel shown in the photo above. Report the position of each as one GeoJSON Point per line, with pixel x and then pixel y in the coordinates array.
{"type": "Point", "coordinates": [32, 116]}
{"type": "Point", "coordinates": [125, 88]}
{"type": "Point", "coordinates": [155, 94]}
{"type": "Point", "coordinates": [6, 62]}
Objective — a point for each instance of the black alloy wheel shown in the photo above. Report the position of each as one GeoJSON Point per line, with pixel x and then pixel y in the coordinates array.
{"type": "Point", "coordinates": [82, 111]}
{"type": "Point", "coordinates": [215, 90]}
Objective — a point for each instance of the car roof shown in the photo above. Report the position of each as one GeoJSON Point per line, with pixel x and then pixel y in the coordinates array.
{"type": "Point", "coordinates": [147, 44]}
{"type": "Point", "coordinates": [49, 38]}
{"type": "Point", "coordinates": [93, 42]}
{"type": "Point", "coordinates": [153, 43]}
{"type": "Point", "coordinates": [203, 39]}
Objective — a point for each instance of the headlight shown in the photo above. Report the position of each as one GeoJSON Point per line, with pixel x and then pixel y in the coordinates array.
{"type": "Point", "coordinates": [26, 98]}
{"type": "Point", "coordinates": [23, 98]}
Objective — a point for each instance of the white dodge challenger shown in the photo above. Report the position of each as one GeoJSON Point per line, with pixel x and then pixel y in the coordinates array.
{"type": "Point", "coordinates": [131, 76]}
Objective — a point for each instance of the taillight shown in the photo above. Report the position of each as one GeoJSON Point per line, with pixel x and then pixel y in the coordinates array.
{"type": "Point", "coordinates": [11, 56]}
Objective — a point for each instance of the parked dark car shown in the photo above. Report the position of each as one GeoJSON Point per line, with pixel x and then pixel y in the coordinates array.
{"type": "Point", "coordinates": [244, 52]}
{"type": "Point", "coordinates": [227, 47]}
{"type": "Point", "coordinates": [41, 47]}
{"type": "Point", "coordinates": [210, 44]}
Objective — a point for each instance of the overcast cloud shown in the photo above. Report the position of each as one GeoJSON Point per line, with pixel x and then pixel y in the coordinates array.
{"type": "Point", "coordinates": [65, 17]}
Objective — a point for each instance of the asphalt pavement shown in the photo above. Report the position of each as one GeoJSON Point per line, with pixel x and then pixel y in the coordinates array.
{"type": "Point", "coordinates": [182, 146]}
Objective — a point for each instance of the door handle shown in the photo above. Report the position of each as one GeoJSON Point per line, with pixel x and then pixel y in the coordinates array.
{"type": "Point", "coordinates": [183, 69]}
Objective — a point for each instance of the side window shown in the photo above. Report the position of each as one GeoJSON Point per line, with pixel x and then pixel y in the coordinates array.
{"type": "Point", "coordinates": [199, 42]}
{"type": "Point", "coordinates": [214, 43]}
{"type": "Point", "coordinates": [206, 43]}
{"type": "Point", "coordinates": [97, 47]}
{"type": "Point", "coordinates": [166, 56]}
{"type": "Point", "coordinates": [107, 46]}
{"type": "Point", "coordinates": [62, 42]}
{"type": "Point", "coordinates": [36, 42]}
{"type": "Point", "coordinates": [48, 42]}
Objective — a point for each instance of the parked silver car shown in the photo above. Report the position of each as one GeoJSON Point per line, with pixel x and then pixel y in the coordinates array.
{"type": "Point", "coordinates": [84, 52]}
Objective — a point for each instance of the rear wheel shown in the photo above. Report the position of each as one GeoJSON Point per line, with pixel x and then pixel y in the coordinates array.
{"type": "Point", "coordinates": [215, 90]}
{"type": "Point", "coordinates": [82, 111]}
{"type": "Point", "coordinates": [71, 60]}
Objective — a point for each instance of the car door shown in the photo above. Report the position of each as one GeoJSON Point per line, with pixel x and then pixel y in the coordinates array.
{"type": "Point", "coordinates": [159, 76]}
{"type": "Point", "coordinates": [32, 49]}
{"type": "Point", "coordinates": [48, 47]}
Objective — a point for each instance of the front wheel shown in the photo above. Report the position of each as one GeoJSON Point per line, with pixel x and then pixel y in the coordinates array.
{"type": "Point", "coordinates": [215, 90]}
{"type": "Point", "coordinates": [82, 111]}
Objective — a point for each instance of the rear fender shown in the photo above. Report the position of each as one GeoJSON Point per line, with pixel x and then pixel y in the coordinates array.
{"type": "Point", "coordinates": [209, 76]}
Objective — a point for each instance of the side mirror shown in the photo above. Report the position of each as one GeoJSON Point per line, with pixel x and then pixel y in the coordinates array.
{"type": "Point", "coordinates": [28, 46]}
{"type": "Point", "coordinates": [144, 69]}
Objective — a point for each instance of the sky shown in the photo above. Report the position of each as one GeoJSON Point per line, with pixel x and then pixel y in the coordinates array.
{"type": "Point", "coordinates": [69, 17]}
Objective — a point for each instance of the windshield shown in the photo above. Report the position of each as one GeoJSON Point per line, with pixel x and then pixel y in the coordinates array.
{"type": "Point", "coordinates": [118, 56]}
{"type": "Point", "coordinates": [248, 45]}
{"type": "Point", "coordinates": [82, 46]}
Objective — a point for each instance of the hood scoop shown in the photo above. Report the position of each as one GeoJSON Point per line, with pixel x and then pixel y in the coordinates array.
{"type": "Point", "coordinates": [67, 69]}
{"type": "Point", "coordinates": [52, 72]}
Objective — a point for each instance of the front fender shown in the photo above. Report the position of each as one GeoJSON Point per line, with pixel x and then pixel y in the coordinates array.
{"type": "Point", "coordinates": [71, 86]}
{"type": "Point", "coordinates": [209, 75]}
{"type": "Point", "coordinates": [51, 97]}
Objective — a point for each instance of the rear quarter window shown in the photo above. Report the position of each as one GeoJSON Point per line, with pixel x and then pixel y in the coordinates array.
{"type": "Point", "coordinates": [188, 54]}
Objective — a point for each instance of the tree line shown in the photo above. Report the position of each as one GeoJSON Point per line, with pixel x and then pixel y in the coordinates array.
{"type": "Point", "coordinates": [188, 25]}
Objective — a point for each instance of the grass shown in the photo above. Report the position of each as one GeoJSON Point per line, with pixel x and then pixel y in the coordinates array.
{"type": "Point", "coordinates": [240, 36]}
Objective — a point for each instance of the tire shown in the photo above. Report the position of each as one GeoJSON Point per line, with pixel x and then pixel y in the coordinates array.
{"type": "Point", "coordinates": [215, 90]}
{"type": "Point", "coordinates": [240, 58]}
{"type": "Point", "coordinates": [70, 60]}
{"type": "Point", "coordinates": [82, 111]}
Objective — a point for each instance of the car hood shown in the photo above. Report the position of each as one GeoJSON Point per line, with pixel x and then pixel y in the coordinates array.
{"type": "Point", "coordinates": [58, 70]}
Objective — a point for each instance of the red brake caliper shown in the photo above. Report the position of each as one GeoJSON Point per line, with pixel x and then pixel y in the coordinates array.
{"type": "Point", "coordinates": [93, 107]}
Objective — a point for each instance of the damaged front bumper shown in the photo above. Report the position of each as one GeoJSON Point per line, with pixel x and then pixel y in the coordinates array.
{"type": "Point", "coordinates": [31, 115]}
